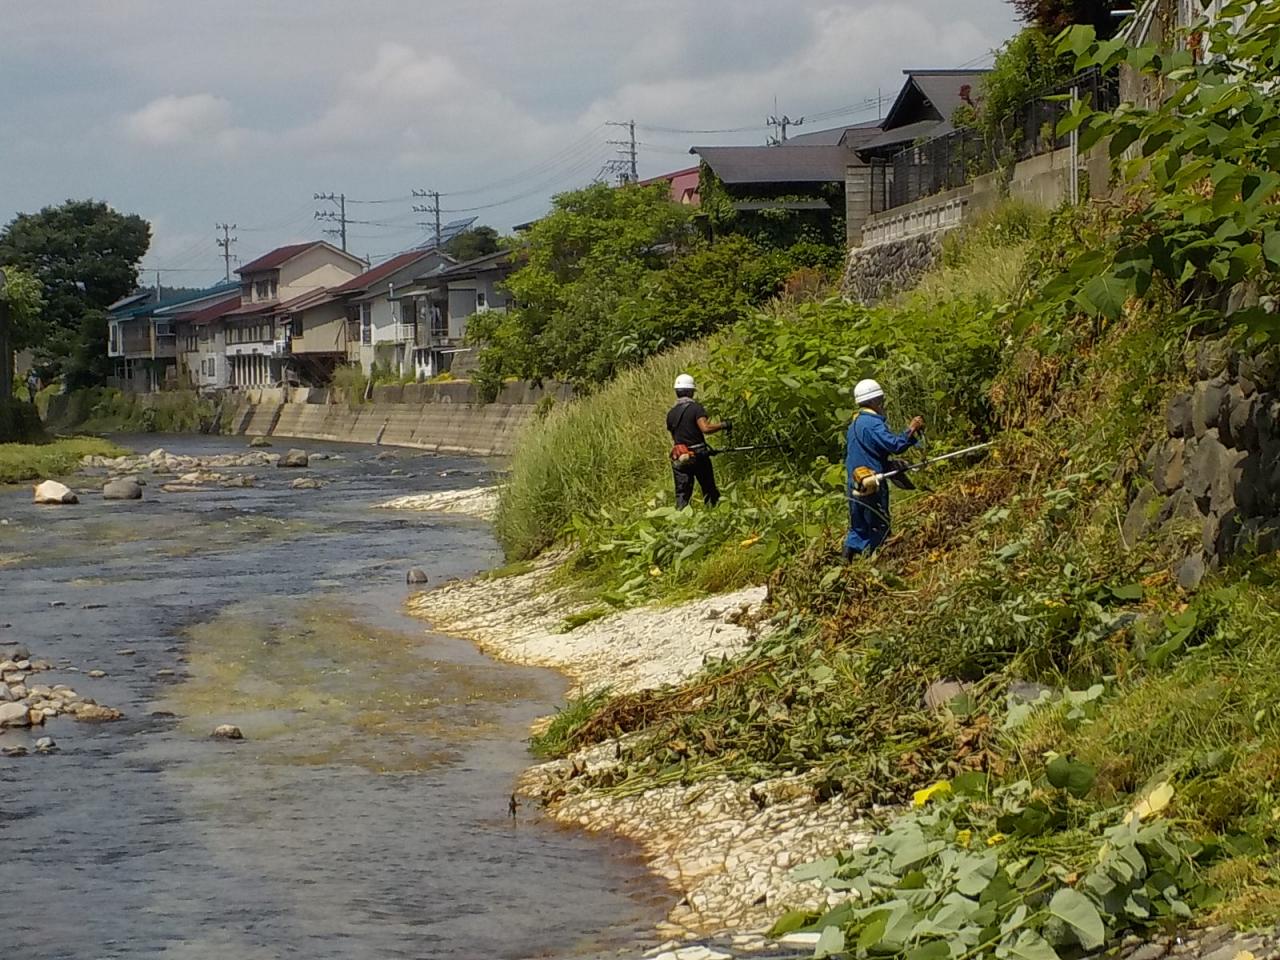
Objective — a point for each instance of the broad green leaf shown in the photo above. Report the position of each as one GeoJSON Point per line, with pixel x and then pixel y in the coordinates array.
{"type": "Point", "coordinates": [1028, 945]}
{"type": "Point", "coordinates": [790, 922]}
{"type": "Point", "coordinates": [974, 872]}
{"type": "Point", "coordinates": [1071, 775]}
{"type": "Point", "coordinates": [1078, 912]}
{"type": "Point", "coordinates": [1104, 295]}
{"type": "Point", "coordinates": [1129, 591]}
{"type": "Point", "coordinates": [934, 950]}
{"type": "Point", "coordinates": [829, 943]}
{"type": "Point", "coordinates": [1271, 247]}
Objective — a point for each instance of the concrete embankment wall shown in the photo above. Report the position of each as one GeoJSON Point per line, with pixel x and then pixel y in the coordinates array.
{"type": "Point", "coordinates": [439, 417]}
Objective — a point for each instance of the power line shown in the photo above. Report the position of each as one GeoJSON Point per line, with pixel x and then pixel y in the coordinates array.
{"type": "Point", "coordinates": [565, 154]}
{"type": "Point", "coordinates": [584, 164]}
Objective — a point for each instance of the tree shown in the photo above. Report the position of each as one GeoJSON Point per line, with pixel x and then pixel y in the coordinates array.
{"type": "Point", "coordinates": [20, 303]}
{"type": "Point", "coordinates": [469, 244]}
{"type": "Point", "coordinates": [1054, 16]}
{"type": "Point", "coordinates": [586, 283]}
{"type": "Point", "coordinates": [85, 256]}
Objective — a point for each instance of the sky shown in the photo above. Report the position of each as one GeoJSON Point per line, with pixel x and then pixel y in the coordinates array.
{"type": "Point", "coordinates": [194, 114]}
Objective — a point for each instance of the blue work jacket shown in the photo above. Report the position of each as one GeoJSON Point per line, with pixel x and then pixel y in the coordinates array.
{"type": "Point", "coordinates": [871, 443]}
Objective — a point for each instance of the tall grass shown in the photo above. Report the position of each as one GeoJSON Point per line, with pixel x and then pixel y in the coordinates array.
{"type": "Point", "coordinates": [594, 453]}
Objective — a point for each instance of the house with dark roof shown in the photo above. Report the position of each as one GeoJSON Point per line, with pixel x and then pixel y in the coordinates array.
{"type": "Point", "coordinates": [922, 110]}
{"type": "Point", "coordinates": [142, 335]}
{"type": "Point", "coordinates": [775, 194]}
{"type": "Point", "coordinates": [446, 299]}
{"type": "Point", "coordinates": [257, 342]}
{"type": "Point", "coordinates": [380, 324]}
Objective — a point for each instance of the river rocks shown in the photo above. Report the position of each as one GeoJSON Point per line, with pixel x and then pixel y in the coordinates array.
{"type": "Point", "coordinates": [46, 745]}
{"type": "Point", "coordinates": [294, 458]}
{"type": "Point", "coordinates": [243, 480]}
{"type": "Point", "coordinates": [96, 674]}
{"type": "Point", "coordinates": [122, 490]}
{"type": "Point", "coordinates": [95, 713]}
{"type": "Point", "coordinates": [259, 442]}
{"type": "Point", "coordinates": [53, 492]}
{"type": "Point", "coordinates": [306, 483]}
{"type": "Point", "coordinates": [227, 731]}
{"type": "Point", "coordinates": [416, 575]}
{"type": "Point", "coordinates": [14, 715]}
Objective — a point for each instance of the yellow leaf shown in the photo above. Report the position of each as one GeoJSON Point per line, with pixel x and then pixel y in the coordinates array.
{"type": "Point", "coordinates": [963, 837]}
{"type": "Point", "coordinates": [751, 541]}
{"type": "Point", "coordinates": [655, 571]}
{"type": "Point", "coordinates": [1155, 801]}
{"type": "Point", "coordinates": [995, 838]}
{"type": "Point", "coordinates": [940, 789]}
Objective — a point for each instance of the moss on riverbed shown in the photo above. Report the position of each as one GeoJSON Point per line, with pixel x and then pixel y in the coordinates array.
{"type": "Point", "coordinates": [327, 689]}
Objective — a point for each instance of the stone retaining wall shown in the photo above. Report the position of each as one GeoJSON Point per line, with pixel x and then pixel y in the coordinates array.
{"type": "Point", "coordinates": [874, 273]}
{"type": "Point", "coordinates": [1216, 471]}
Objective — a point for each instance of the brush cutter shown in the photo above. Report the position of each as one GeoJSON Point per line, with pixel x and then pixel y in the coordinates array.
{"type": "Point", "coordinates": [869, 482]}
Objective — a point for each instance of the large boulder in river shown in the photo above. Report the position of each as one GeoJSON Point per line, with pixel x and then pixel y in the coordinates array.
{"type": "Point", "coordinates": [259, 442]}
{"type": "Point", "coordinates": [51, 491]}
{"type": "Point", "coordinates": [416, 575]}
{"type": "Point", "coordinates": [14, 715]}
{"type": "Point", "coordinates": [125, 489]}
{"type": "Point", "coordinates": [294, 458]}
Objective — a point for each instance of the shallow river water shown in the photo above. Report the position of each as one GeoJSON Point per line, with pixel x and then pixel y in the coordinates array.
{"type": "Point", "coordinates": [365, 815]}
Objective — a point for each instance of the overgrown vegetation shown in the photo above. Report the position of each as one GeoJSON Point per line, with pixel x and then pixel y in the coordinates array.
{"type": "Point", "coordinates": [613, 276]}
{"type": "Point", "coordinates": [57, 458]}
{"type": "Point", "coordinates": [1112, 744]}
{"type": "Point", "coordinates": [107, 410]}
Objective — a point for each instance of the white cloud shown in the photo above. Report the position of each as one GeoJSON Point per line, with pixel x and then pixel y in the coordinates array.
{"type": "Point", "coordinates": [198, 119]}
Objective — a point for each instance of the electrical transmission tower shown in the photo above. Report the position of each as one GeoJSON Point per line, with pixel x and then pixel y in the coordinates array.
{"type": "Point", "coordinates": [225, 242]}
{"type": "Point", "coordinates": [626, 166]}
{"type": "Point", "coordinates": [339, 217]}
{"type": "Point", "coordinates": [432, 208]}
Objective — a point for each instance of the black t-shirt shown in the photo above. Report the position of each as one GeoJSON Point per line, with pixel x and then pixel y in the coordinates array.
{"type": "Point", "coordinates": [682, 423]}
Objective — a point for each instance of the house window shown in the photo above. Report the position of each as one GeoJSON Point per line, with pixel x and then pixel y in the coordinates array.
{"type": "Point", "coordinates": [295, 326]}
{"type": "Point", "coordinates": [481, 304]}
{"type": "Point", "coordinates": [115, 338]}
{"type": "Point", "coordinates": [204, 334]}
{"type": "Point", "coordinates": [366, 323]}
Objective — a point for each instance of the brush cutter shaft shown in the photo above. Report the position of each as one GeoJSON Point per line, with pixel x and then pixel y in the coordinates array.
{"type": "Point", "coordinates": [933, 460]}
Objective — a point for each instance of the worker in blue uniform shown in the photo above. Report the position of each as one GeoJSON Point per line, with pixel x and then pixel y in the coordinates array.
{"type": "Point", "coordinates": [870, 445]}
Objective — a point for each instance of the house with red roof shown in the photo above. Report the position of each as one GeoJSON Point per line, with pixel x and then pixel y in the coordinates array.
{"type": "Point", "coordinates": [257, 339]}
{"type": "Point", "coordinates": [144, 335]}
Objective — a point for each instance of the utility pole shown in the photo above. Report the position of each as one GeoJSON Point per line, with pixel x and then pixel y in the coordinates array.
{"type": "Point", "coordinates": [225, 243]}
{"type": "Point", "coordinates": [628, 150]}
{"type": "Point", "coordinates": [339, 218]}
{"type": "Point", "coordinates": [432, 208]}
{"type": "Point", "coordinates": [780, 123]}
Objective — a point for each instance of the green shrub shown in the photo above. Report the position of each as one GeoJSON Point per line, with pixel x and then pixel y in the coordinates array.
{"type": "Point", "coordinates": [19, 422]}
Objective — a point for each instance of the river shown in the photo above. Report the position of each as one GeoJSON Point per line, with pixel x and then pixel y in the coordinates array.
{"type": "Point", "coordinates": [364, 815]}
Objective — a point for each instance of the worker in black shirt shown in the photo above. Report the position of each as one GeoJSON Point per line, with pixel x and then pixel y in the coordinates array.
{"type": "Point", "coordinates": [690, 458]}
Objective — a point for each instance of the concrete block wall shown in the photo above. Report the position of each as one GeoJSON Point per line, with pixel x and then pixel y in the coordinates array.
{"type": "Point", "coordinates": [441, 427]}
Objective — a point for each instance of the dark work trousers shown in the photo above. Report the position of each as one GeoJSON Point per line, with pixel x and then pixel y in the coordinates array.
{"type": "Point", "coordinates": [699, 469]}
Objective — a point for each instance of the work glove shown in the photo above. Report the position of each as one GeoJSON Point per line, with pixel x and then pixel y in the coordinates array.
{"type": "Point", "coordinates": [728, 426]}
{"type": "Point", "coordinates": [901, 480]}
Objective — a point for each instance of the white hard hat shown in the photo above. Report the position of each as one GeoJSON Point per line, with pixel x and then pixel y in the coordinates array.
{"type": "Point", "coordinates": [867, 390]}
{"type": "Point", "coordinates": [685, 382]}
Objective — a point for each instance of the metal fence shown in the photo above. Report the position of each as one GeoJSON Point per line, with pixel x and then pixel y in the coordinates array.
{"type": "Point", "coordinates": [956, 158]}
